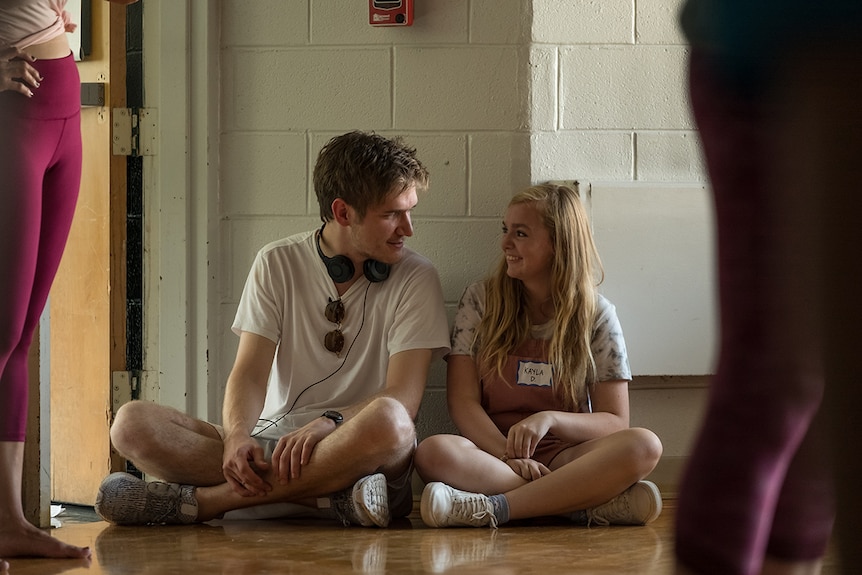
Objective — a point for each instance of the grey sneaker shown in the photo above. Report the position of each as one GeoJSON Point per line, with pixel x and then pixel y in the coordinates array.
{"type": "Point", "coordinates": [444, 506]}
{"type": "Point", "coordinates": [640, 504]}
{"type": "Point", "coordinates": [366, 503]}
{"type": "Point", "coordinates": [123, 499]}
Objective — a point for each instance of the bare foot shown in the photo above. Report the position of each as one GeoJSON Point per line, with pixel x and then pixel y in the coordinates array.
{"type": "Point", "coordinates": [28, 541]}
{"type": "Point", "coordinates": [4, 567]}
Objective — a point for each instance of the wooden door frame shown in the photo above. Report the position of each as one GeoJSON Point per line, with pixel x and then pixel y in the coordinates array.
{"type": "Point", "coordinates": [119, 201]}
{"type": "Point", "coordinates": [118, 226]}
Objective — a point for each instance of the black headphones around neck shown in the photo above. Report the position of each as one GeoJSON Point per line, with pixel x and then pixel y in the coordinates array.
{"type": "Point", "coordinates": [341, 269]}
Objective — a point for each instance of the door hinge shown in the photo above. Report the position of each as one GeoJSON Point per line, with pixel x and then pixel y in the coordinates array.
{"type": "Point", "coordinates": [134, 131]}
{"type": "Point", "coordinates": [123, 388]}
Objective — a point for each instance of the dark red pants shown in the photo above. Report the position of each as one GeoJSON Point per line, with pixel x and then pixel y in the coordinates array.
{"type": "Point", "coordinates": [758, 481]}
{"type": "Point", "coordinates": [40, 175]}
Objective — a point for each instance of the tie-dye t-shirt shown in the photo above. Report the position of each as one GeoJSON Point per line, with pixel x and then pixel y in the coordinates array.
{"type": "Point", "coordinates": [527, 384]}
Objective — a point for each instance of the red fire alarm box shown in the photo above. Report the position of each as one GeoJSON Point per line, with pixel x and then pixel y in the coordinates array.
{"type": "Point", "coordinates": [390, 12]}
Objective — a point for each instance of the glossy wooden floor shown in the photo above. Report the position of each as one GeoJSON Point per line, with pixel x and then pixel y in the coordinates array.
{"type": "Point", "coordinates": [324, 547]}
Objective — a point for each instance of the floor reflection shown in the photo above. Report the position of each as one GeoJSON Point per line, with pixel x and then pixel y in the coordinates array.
{"type": "Point", "coordinates": [314, 547]}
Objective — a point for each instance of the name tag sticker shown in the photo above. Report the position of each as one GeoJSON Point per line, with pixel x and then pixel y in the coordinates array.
{"type": "Point", "coordinates": [534, 373]}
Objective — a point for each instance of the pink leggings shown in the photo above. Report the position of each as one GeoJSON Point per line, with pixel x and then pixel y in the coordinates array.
{"type": "Point", "coordinates": [758, 481]}
{"type": "Point", "coordinates": [40, 174]}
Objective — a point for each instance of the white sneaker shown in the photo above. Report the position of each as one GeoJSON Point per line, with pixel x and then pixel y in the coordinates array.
{"type": "Point", "coordinates": [444, 506]}
{"type": "Point", "coordinates": [366, 503]}
{"type": "Point", "coordinates": [640, 504]}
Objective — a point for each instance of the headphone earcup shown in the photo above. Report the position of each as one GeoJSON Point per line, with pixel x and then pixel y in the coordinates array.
{"type": "Point", "coordinates": [339, 268]}
{"type": "Point", "coordinates": [375, 271]}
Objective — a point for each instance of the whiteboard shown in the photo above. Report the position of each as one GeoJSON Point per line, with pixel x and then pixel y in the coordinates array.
{"type": "Point", "coordinates": [656, 242]}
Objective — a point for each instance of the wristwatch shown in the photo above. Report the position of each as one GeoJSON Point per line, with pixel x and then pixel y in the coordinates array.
{"type": "Point", "coordinates": [334, 416]}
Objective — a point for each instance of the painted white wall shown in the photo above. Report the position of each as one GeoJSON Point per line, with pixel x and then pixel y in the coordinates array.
{"type": "Point", "coordinates": [181, 80]}
{"type": "Point", "coordinates": [495, 94]}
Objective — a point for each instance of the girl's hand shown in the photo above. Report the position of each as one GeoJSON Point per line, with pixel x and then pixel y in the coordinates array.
{"type": "Point", "coordinates": [16, 73]}
{"type": "Point", "coordinates": [525, 435]}
{"type": "Point", "coordinates": [529, 469]}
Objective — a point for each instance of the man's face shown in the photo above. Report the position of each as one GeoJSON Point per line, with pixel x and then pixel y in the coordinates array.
{"type": "Point", "coordinates": [380, 235]}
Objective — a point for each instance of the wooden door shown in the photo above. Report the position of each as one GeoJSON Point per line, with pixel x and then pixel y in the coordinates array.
{"type": "Point", "coordinates": [88, 299]}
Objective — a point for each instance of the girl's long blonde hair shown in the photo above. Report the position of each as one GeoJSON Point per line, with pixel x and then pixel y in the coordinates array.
{"type": "Point", "coordinates": [576, 273]}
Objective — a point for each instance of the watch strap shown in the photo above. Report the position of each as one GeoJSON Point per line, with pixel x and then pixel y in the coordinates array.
{"type": "Point", "coordinates": [334, 416]}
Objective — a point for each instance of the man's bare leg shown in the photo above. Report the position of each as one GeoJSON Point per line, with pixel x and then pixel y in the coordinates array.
{"type": "Point", "coordinates": [180, 449]}
{"type": "Point", "coordinates": [380, 438]}
{"type": "Point", "coordinates": [166, 443]}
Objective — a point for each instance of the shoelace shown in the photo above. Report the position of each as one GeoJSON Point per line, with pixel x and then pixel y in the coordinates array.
{"type": "Point", "coordinates": [169, 492]}
{"type": "Point", "coordinates": [477, 507]}
{"type": "Point", "coordinates": [613, 509]}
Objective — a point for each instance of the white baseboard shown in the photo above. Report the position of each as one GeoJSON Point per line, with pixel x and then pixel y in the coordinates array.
{"type": "Point", "coordinates": [668, 474]}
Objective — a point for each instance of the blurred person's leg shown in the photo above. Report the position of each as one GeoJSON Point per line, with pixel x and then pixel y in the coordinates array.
{"type": "Point", "coordinates": [766, 389]}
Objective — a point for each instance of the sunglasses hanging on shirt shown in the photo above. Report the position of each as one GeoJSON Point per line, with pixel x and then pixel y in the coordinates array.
{"type": "Point", "coordinates": [334, 340]}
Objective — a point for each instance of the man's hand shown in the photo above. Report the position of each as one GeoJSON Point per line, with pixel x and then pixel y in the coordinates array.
{"type": "Point", "coordinates": [16, 73]}
{"type": "Point", "coordinates": [294, 449]}
{"type": "Point", "coordinates": [242, 465]}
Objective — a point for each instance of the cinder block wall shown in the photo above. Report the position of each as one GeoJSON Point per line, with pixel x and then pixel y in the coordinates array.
{"type": "Point", "coordinates": [495, 94]}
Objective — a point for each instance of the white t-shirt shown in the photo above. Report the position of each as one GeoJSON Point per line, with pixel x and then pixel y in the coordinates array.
{"type": "Point", "coordinates": [284, 300]}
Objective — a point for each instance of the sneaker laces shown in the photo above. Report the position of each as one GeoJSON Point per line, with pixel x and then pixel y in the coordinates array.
{"type": "Point", "coordinates": [475, 506]}
{"type": "Point", "coordinates": [168, 507]}
{"type": "Point", "coordinates": [615, 509]}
